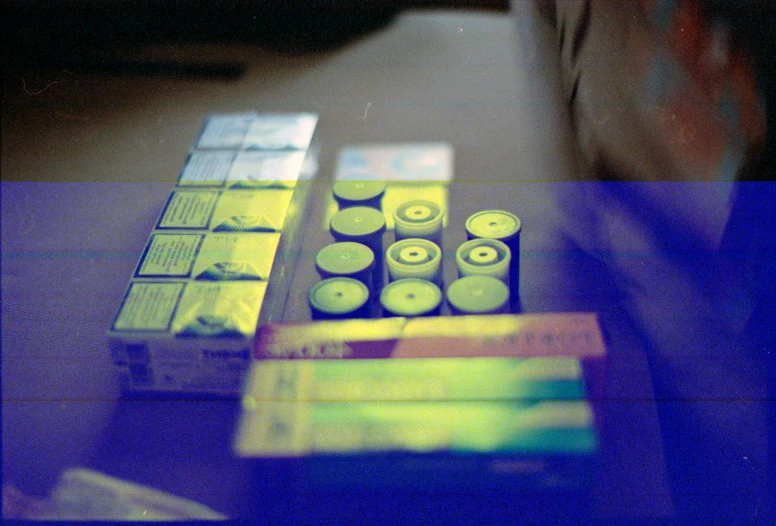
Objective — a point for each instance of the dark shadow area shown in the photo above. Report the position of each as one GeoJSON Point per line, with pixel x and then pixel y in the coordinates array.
{"type": "Point", "coordinates": [87, 36]}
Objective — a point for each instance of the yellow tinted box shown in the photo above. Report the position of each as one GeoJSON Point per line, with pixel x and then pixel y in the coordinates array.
{"type": "Point", "coordinates": [220, 211]}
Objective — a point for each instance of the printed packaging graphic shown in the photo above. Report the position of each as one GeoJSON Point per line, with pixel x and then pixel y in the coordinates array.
{"type": "Point", "coordinates": [288, 429]}
{"type": "Point", "coordinates": [219, 211]}
{"type": "Point", "coordinates": [214, 257]}
{"type": "Point", "coordinates": [242, 169]}
{"type": "Point", "coordinates": [220, 259]}
{"type": "Point", "coordinates": [426, 379]}
{"type": "Point", "coordinates": [249, 131]}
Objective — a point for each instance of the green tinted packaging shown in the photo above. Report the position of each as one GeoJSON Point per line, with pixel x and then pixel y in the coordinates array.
{"type": "Point", "coordinates": [534, 446]}
{"type": "Point", "coordinates": [220, 259]}
{"type": "Point", "coordinates": [453, 403]}
{"type": "Point", "coordinates": [425, 379]}
{"type": "Point", "coordinates": [220, 211]}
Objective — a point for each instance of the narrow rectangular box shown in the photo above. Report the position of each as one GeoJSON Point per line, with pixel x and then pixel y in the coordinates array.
{"type": "Point", "coordinates": [211, 256]}
{"type": "Point", "coordinates": [424, 379]}
{"type": "Point", "coordinates": [222, 211]}
{"type": "Point", "coordinates": [242, 169]}
{"type": "Point", "coordinates": [534, 446]}
{"type": "Point", "coordinates": [268, 131]}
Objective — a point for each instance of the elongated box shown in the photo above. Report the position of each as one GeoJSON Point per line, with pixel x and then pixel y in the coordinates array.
{"type": "Point", "coordinates": [447, 403]}
{"type": "Point", "coordinates": [577, 335]}
{"type": "Point", "coordinates": [220, 259]}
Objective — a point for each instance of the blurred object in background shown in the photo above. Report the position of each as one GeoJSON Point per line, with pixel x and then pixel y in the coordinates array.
{"type": "Point", "coordinates": [18, 506]}
{"type": "Point", "coordinates": [665, 90]}
{"type": "Point", "coordinates": [94, 36]}
{"type": "Point", "coordinates": [82, 494]}
{"type": "Point", "coordinates": [672, 103]}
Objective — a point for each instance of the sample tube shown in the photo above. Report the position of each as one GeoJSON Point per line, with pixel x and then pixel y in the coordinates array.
{"type": "Point", "coordinates": [419, 219]}
{"type": "Point", "coordinates": [487, 257]}
{"type": "Point", "coordinates": [339, 298]}
{"type": "Point", "coordinates": [361, 224]}
{"type": "Point", "coordinates": [415, 258]}
{"type": "Point", "coordinates": [478, 295]}
{"type": "Point", "coordinates": [359, 193]}
{"type": "Point", "coordinates": [346, 259]}
{"type": "Point", "coordinates": [504, 226]}
{"type": "Point", "coordinates": [411, 297]}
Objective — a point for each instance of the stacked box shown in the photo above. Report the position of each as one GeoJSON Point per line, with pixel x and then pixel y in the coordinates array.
{"type": "Point", "coordinates": [474, 402]}
{"type": "Point", "coordinates": [220, 259]}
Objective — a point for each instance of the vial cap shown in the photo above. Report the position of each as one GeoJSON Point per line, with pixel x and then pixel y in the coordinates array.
{"type": "Point", "coordinates": [344, 258]}
{"type": "Point", "coordinates": [413, 255]}
{"type": "Point", "coordinates": [357, 223]}
{"type": "Point", "coordinates": [338, 295]}
{"type": "Point", "coordinates": [419, 212]}
{"type": "Point", "coordinates": [478, 295]}
{"type": "Point", "coordinates": [478, 254]}
{"type": "Point", "coordinates": [414, 258]}
{"type": "Point", "coordinates": [482, 255]}
{"type": "Point", "coordinates": [493, 224]}
{"type": "Point", "coordinates": [358, 191]}
{"type": "Point", "coordinates": [411, 297]}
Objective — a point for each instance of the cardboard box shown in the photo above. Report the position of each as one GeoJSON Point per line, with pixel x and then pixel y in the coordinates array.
{"type": "Point", "coordinates": [220, 259]}
{"type": "Point", "coordinates": [465, 402]}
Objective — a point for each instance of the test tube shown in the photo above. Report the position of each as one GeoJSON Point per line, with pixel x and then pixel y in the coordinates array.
{"type": "Point", "coordinates": [478, 295]}
{"type": "Point", "coordinates": [411, 297]}
{"type": "Point", "coordinates": [359, 193]}
{"type": "Point", "coordinates": [346, 259]}
{"type": "Point", "coordinates": [361, 224]}
{"type": "Point", "coordinates": [339, 298]}
{"type": "Point", "coordinates": [488, 257]}
{"type": "Point", "coordinates": [419, 219]}
{"type": "Point", "coordinates": [415, 258]}
{"type": "Point", "coordinates": [506, 227]}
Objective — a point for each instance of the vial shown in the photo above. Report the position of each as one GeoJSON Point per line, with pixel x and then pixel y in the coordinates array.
{"type": "Point", "coordinates": [504, 226]}
{"type": "Point", "coordinates": [359, 193]}
{"type": "Point", "coordinates": [346, 259]}
{"type": "Point", "coordinates": [415, 258]}
{"type": "Point", "coordinates": [418, 219]}
{"type": "Point", "coordinates": [488, 257]}
{"type": "Point", "coordinates": [411, 297]}
{"type": "Point", "coordinates": [339, 298]}
{"type": "Point", "coordinates": [478, 295]}
{"type": "Point", "coordinates": [361, 224]}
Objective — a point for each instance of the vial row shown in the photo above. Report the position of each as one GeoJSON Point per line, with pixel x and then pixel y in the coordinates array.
{"type": "Point", "coordinates": [352, 268]}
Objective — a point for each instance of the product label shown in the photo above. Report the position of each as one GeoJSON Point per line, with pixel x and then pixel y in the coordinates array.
{"type": "Point", "coordinates": [486, 378]}
{"type": "Point", "coordinates": [170, 255]}
{"type": "Point", "coordinates": [281, 131]}
{"type": "Point", "coordinates": [265, 169]}
{"type": "Point", "coordinates": [225, 131]}
{"type": "Point", "coordinates": [303, 428]}
{"type": "Point", "coordinates": [229, 257]}
{"type": "Point", "coordinates": [148, 307]}
{"type": "Point", "coordinates": [252, 211]}
{"type": "Point", "coordinates": [411, 162]}
{"type": "Point", "coordinates": [219, 309]}
{"type": "Point", "coordinates": [189, 209]}
{"type": "Point", "coordinates": [206, 169]}
{"type": "Point", "coordinates": [555, 334]}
